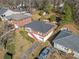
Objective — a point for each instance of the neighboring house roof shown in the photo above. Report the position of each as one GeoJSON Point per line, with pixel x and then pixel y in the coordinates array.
{"type": "Point", "coordinates": [18, 10]}
{"type": "Point", "coordinates": [2, 10]}
{"type": "Point", "coordinates": [68, 40]}
{"type": "Point", "coordinates": [63, 33]}
{"type": "Point", "coordinates": [8, 12]}
{"type": "Point", "coordinates": [18, 16]}
{"type": "Point", "coordinates": [40, 26]}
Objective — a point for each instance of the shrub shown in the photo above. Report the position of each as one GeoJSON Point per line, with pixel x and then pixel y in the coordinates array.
{"type": "Point", "coordinates": [7, 56]}
{"type": "Point", "coordinates": [68, 17]}
{"type": "Point", "coordinates": [11, 48]}
{"type": "Point", "coordinates": [52, 18]}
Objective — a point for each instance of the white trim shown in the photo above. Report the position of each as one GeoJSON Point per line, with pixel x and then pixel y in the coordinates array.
{"type": "Point", "coordinates": [48, 36]}
{"type": "Point", "coordinates": [41, 38]}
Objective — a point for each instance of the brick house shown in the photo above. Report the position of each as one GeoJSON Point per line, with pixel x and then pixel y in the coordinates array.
{"type": "Point", "coordinates": [19, 19]}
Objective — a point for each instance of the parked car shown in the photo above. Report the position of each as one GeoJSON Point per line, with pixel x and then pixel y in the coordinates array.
{"type": "Point", "coordinates": [44, 52]}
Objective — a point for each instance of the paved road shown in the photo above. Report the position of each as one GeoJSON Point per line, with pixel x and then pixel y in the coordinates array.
{"type": "Point", "coordinates": [29, 51]}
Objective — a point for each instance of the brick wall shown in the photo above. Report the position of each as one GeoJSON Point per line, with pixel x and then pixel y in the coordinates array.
{"type": "Point", "coordinates": [22, 22]}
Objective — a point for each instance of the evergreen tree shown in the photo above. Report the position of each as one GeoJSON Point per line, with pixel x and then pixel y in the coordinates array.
{"type": "Point", "coordinates": [68, 10]}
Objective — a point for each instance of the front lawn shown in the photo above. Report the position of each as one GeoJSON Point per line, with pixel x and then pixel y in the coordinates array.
{"type": "Point", "coordinates": [25, 36]}
{"type": "Point", "coordinates": [11, 48]}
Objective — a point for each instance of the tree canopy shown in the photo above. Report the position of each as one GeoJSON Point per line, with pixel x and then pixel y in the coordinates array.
{"type": "Point", "coordinates": [68, 16]}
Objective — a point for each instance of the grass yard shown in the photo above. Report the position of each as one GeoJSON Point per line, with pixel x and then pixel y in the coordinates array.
{"type": "Point", "coordinates": [7, 57]}
{"type": "Point", "coordinates": [25, 36]}
{"type": "Point", "coordinates": [36, 15]}
{"type": "Point", "coordinates": [21, 45]}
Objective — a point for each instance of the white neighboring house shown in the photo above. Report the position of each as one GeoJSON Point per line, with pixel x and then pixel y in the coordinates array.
{"type": "Point", "coordinates": [40, 30]}
{"type": "Point", "coordinates": [7, 12]}
{"type": "Point", "coordinates": [67, 42]}
{"type": "Point", "coordinates": [10, 12]}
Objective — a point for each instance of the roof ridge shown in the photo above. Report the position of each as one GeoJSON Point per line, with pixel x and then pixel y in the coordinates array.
{"type": "Point", "coordinates": [63, 37]}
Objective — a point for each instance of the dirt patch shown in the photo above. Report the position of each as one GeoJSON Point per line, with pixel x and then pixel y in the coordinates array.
{"type": "Point", "coordinates": [58, 55]}
{"type": "Point", "coordinates": [2, 52]}
{"type": "Point", "coordinates": [72, 27]}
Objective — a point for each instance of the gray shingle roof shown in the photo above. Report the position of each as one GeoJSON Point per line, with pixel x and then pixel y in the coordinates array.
{"type": "Point", "coordinates": [69, 41]}
{"type": "Point", "coordinates": [2, 11]}
{"type": "Point", "coordinates": [63, 33]}
{"type": "Point", "coordinates": [17, 10]}
{"type": "Point", "coordinates": [40, 26]}
{"type": "Point", "coordinates": [18, 16]}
